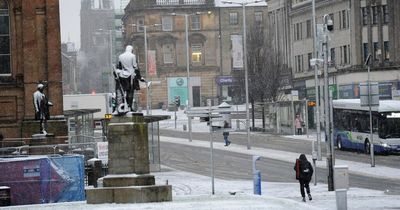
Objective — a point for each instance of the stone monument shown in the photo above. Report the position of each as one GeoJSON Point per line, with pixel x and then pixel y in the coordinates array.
{"type": "Point", "coordinates": [127, 76]}
{"type": "Point", "coordinates": [129, 179]}
{"type": "Point", "coordinates": [42, 106]}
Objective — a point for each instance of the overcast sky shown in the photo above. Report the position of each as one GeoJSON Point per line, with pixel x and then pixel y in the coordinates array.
{"type": "Point", "coordinates": [70, 21]}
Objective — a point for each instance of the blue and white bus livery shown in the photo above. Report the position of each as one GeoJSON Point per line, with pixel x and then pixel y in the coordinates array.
{"type": "Point", "coordinates": [351, 126]}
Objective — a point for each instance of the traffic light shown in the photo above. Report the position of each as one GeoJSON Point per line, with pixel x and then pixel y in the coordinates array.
{"type": "Point", "coordinates": [177, 101]}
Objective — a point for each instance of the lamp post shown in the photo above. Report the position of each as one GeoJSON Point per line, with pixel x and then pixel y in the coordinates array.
{"type": "Point", "coordinates": [316, 83]}
{"type": "Point", "coordinates": [188, 66]}
{"type": "Point", "coordinates": [246, 82]}
{"type": "Point", "coordinates": [146, 63]}
{"type": "Point", "coordinates": [328, 24]}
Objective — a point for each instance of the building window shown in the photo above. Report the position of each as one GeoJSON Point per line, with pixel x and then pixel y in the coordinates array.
{"type": "Point", "coordinates": [301, 31]}
{"type": "Point", "coordinates": [386, 48]}
{"type": "Point", "coordinates": [344, 22]}
{"type": "Point", "coordinates": [195, 21]}
{"type": "Point", "coordinates": [100, 4]}
{"type": "Point", "coordinates": [377, 51]}
{"type": "Point", "coordinates": [348, 54]}
{"type": "Point", "coordinates": [5, 55]}
{"type": "Point", "coordinates": [374, 15]}
{"type": "Point", "coordinates": [233, 18]}
{"type": "Point", "coordinates": [385, 14]}
{"type": "Point", "coordinates": [364, 12]}
{"type": "Point", "coordinates": [332, 16]}
{"type": "Point", "coordinates": [345, 54]}
{"type": "Point", "coordinates": [167, 23]}
{"type": "Point", "coordinates": [196, 53]}
{"type": "Point", "coordinates": [298, 31]}
{"type": "Point", "coordinates": [333, 56]}
{"type": "Point", "coordinates": [258, 17]}
{"type": "Point", "coordinates": [168, 53]}
{"type": "Point", "coordinates": [308, 25]}
{"type": "Point", "coordinates": [299, 63]}
{"type": "Point", "coordinates": [140, 24]}
{"type": "Point", "coordinates": [309, 57]}
{"type": "Point", "coordinates": [365, 51]}
{"type": "Point", "coordinates": [345, 58]}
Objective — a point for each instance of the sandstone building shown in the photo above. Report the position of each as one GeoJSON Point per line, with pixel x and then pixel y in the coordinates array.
{"type": "Point", "coordinates": [29, 53]}
{"type": "Point", "coordinates": [214, 35]}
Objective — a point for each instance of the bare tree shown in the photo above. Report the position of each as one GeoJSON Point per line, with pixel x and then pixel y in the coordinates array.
{"type": "Point", "coordinates": [265, 70]}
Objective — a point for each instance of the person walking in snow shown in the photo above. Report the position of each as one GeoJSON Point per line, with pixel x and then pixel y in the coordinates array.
{"type": "Point", "coordinates": [226, 134]}
{"type": "Point", "coordinates": [304, 172]}
{"type": "Point", "coordinates": [298, 123]}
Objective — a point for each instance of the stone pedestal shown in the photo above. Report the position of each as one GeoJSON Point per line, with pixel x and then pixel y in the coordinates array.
{"type": "Point", "coordinates": [129, 180]}
{"type": "Point", "coordinates": [40, 144]}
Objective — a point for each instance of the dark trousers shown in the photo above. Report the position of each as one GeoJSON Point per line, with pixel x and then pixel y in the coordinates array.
{"type": "Point", "coordinates": [304, 184]}
{"type": "Point", "coordinates": [226, 140]}
{"type": "Point", "coordinates": [299, 131]}
{"type": "Point", "coordinates": [127, 87]}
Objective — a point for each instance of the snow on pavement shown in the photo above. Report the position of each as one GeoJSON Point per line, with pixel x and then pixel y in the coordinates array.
{"type": "Point", "coordinates": [193, 191]}
{"type": "Point", "coordinates": [354, 167]}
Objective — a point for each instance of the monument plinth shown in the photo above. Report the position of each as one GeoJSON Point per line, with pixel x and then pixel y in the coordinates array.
{"type": "Point", "coordinates": [129, 180]}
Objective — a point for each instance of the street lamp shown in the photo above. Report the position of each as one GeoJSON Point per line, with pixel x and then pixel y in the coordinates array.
{"type": "Point", "coordinates": [328, 26]}
{"type": "Point", "coordinates": [188, 65]}
{"type": "Point", "coordinates": [145, 60]}
{"type": "Point", "coordinates": [316, 83]}
{"type": "Point", "coordinates": [243, 4]}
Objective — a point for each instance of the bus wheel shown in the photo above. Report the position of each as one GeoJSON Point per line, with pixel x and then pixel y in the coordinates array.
{"type": "Point", "coordinates": [367, 147]}
{"type": "Point", "coordinates": [339, 143]}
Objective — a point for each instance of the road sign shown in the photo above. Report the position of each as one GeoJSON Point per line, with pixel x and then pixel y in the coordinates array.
{"type": "Point", "coordinates": [311, 103]}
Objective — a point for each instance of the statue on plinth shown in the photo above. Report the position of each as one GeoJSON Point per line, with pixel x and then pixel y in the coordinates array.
{"type": "Point", "coordinates": [42, 107]}
{"type": "Point", "coordinates": [127, 77]}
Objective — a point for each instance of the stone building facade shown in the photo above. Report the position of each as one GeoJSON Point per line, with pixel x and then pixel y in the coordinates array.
{"type": "Point", "coordinates": [29, 53]}
{"type": "Point", "coordinates": [69, 68]}
{"type": "Point", "coordinates": [360, 28]}
{"type": "Point", "coordinates": [211, 28]}
{"type": "Point", "coordinates": [167, 43]}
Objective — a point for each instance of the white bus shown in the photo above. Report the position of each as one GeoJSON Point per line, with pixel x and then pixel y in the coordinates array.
{"type": "Point", "coordinates": [351, 126]}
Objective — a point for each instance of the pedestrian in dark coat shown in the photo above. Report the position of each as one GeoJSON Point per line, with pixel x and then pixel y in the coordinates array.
{"type": "Point", "coordinates": [226, 134]}
{"type": "Point", "coordinates": [304, 172]}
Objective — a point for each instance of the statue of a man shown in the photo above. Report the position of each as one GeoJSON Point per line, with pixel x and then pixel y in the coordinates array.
{"type": "Point", "coordinates": [126, 75]}
{"type": "Point", "coordinates": [41, 105]}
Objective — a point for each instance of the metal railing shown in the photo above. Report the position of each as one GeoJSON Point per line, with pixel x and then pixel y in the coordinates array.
{"type": "Point", "coordinates": [74, 145]}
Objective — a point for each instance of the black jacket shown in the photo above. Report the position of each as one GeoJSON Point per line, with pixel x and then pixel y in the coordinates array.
{"type": "Point", "coordinates": [305, 169]}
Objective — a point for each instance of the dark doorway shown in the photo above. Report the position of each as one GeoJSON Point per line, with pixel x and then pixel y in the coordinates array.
{"type": "Point", "coordinates": [196, 96]}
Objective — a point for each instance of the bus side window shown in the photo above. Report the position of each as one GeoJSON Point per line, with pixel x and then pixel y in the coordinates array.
{"type": "Point", "coordinates": [375, 124]}
{"type": "Point", "coordinates": [356, 126]}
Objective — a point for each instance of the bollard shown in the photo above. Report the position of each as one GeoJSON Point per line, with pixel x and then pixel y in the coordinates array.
{"type": "Point", "coordinates": [256, 177]}
{"type": "Point", "coordinates": [314, 159]}
{"type": "Point", "coordinates": [341, 176]}
{"type": "Point", "coordinates": [341, 199]}
{"type": "Point", "coordinates": [257, 182]}
{"type": "Point", "coordinates": [96, 171]}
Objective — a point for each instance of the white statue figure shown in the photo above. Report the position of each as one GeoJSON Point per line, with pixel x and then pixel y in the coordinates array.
{"type": "Point", "coordinates": [126, 75]}
{"type": "Point", "coordinates": [41, 105]}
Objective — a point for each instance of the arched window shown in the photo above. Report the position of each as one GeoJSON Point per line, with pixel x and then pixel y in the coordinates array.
{"type": "Point", "coordinates": [5, 42]}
